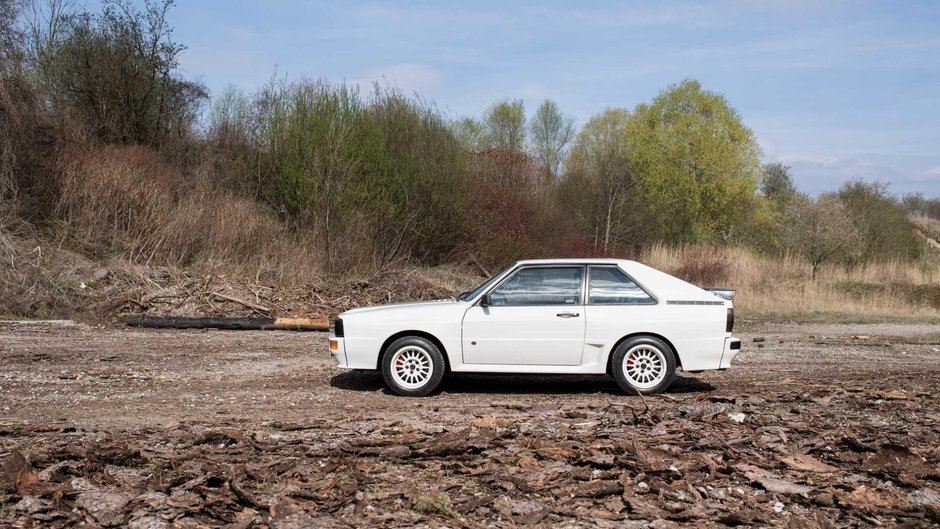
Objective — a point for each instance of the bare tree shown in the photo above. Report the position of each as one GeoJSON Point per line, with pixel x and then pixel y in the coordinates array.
{"type": "Point", "coordinates": [821, 230]}
{"type": "Point", "coordinates": [551, 132]}
{"type": "Point", "coordinates": [11, 35]}
{"type": "Point", "coordinates": [45, 24]}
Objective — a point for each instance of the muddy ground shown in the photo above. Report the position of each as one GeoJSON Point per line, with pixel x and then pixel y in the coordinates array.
{"type": "Point", "coordinates": [815, 426]}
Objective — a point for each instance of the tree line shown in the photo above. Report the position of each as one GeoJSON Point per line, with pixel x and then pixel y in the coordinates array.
{"type": "Point", "coordinates": [368, 178]}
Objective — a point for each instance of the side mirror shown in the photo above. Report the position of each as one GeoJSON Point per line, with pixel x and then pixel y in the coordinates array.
{"type": "Point", "coordinates": [485, 301]}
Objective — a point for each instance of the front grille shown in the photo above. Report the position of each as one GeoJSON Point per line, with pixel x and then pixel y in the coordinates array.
{"type": "Point", "coordinates": [338, 328]}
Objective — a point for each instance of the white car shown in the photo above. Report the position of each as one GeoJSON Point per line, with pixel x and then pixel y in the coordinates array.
{"type": "Point", "coordinates": [554, 316]}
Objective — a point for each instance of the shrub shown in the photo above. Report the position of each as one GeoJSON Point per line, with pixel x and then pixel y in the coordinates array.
{"type": "Point", "coordinates": [703, 265]}
{"type": "Point", "coordinates": [881, 221]}
{"type": "Point", "coordinates": [128, 200]}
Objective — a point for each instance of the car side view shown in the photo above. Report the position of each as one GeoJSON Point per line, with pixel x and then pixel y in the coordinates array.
{"type": "Point", "coordinates": [547, 316]}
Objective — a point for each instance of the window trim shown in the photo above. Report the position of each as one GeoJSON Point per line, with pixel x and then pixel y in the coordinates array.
{"type": "Point", "coordinates": [587, 294]}
{"type": "Point", "coordinates": [582, 299]}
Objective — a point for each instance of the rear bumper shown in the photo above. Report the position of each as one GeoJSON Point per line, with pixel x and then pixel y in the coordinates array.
{"type": "Point", "coordinates": [732, 348]}
{"type": "Point", "coordinates": [337, 348]}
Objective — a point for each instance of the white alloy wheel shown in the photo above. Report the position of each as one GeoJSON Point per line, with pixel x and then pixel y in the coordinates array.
{"type": "Point", "coordinates": [412, 367]}
{"type": "Point", "coordinates": [644, 366]}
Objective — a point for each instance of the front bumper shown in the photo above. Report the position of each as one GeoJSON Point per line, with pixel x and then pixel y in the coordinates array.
{"type": "Point", "coordinates": [338, 351]}
{"type": "Point", "coordinates": [732, 348]}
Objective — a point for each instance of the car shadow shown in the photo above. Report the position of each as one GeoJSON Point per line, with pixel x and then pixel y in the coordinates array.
{"type": "Point", "coordinates": [371, 381]}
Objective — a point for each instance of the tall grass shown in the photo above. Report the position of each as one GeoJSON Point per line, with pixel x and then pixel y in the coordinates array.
{"type": "Point", "coordinates": [781, 286]}
{"type": "Point", "coordinates": [128, 202]}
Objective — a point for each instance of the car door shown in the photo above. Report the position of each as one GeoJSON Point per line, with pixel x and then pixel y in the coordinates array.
{"type": "Point", "coordinates": [535, 317]}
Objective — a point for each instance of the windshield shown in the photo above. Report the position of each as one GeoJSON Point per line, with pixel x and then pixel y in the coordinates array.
{"type": "Point", "coordinates": [479, 290]}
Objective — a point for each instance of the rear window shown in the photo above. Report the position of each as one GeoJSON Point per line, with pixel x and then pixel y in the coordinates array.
{"type": "Point", "coordinates": [610, 286]}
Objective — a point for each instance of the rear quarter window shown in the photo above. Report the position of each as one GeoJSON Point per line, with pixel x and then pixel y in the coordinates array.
{"type": "Point", "coordinates": [610, 286]}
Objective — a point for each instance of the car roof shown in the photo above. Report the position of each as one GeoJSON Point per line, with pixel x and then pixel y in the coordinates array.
{"type": "Point", "coordinates": [585, 260]}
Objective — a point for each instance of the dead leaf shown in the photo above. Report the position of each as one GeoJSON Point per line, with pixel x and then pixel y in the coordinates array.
{"type": "Point", "coordinates": [807, 463]}
{"type": "Point", "coordinates": [528, 463]}
{"type": "Point", "coordinates": [771, 482]}
{"type": "Point", "coordinates": [870, 500]}
{"type": "Point", "coordinates": [12, 471]}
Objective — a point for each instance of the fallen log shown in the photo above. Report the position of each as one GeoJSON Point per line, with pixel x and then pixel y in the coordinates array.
{"type": "Point", "coordinates": [232, 324]}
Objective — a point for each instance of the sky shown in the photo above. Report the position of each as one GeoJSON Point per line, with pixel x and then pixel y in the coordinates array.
{"type": "Point", "coordinates": [835, 89]}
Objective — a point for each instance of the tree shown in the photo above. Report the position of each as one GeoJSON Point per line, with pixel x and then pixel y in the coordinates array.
{"type": "Point", "coordinates": [472, 134]}
{"type": "Point", "coordinates": [117, 71]}
{"type": "Point", "coordinates": [600, 186]}
{"type": "Point", "coordinates": [777, 184]}
{"type": "Point", "coordinates": [550, 132]}
{"type": "Point", "coordinates": [698, 164]}
{"type": "Point", "coordinates": [11, 36]}
{"type": "Point", "coordinates": [882, 221]}
{"type": "Point", "coordinates": [504, 125]}
{"type": "Point", "coordinates": [821, 230]}
{"type": "Point", "coordinates": [915, 203]}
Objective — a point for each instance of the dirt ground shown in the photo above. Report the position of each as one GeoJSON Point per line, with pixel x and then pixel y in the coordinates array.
{"type": "Point", "coordinates": [814, 426]}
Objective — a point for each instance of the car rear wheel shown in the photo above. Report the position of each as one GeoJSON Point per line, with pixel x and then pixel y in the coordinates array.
{"type": "Point", "coordinates": [412, 366]}
{"type": "Point", "coordinates": [643, 364]}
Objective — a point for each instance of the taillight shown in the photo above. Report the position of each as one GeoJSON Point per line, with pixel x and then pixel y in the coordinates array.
{"type": "Point", "coordinates": [730, 325]}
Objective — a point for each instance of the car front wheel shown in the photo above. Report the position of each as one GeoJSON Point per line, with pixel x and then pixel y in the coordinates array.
{"type": "Point", "coordinates": [412, 366]}
{"type": "Point", "coordinates": [643, 364]}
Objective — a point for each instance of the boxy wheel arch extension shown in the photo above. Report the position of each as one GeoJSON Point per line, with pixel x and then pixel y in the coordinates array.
{"type": "Point", "coordinates": [422, 334]}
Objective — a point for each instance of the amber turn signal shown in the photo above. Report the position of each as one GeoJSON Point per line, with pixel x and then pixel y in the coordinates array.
{"type": "Point", "coordinates": [334, 345]}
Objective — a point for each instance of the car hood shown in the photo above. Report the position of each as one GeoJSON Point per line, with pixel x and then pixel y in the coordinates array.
{"type": "Point", "coordinates": [404, 307]}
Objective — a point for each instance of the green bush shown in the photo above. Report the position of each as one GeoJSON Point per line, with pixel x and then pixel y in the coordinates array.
{"type": "Point", "coordinates": [882, 221]}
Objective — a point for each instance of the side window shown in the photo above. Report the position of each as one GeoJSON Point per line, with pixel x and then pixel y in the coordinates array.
{"type": "Point", "coordinates": [610, 286]}
{"type": "Point", "coordinates": [541, 286]}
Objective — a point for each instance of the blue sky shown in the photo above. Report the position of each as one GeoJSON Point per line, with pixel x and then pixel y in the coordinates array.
{"type": "Point", "coordinates": [836, 89]}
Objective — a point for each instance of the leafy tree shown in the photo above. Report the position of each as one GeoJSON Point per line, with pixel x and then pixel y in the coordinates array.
{"type": "Point", "coordinates": [821, 230]}
{"type": "Point", "coordinates": [600, 186]}
{"type": "Point", "coordinates": [882, 221]}
{"type": "Point", "coordinates": [504, 125]}
{"type": "Point", "coordinates": [777, 184]}
{"type": "Point", "coordinates": [315, 143]}
{"type": "Point", "coordinates": [423, 170]}
{"type": "Point", "coordinates": [697, 162]}
{"type": "Point", "coordinates": [117, 71]}
{"type": "Point", "coordinates": [915, 203]}
{"type": "Point", "coordinates": [550, 132]}
{"type": "Point", "coordinates": [471, 133]}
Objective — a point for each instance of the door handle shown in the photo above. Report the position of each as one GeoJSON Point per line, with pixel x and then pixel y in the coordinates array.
{"type": "Point", "coordinates": [567, 314]}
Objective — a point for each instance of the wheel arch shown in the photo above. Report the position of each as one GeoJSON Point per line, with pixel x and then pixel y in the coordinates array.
{"type": "Point", "coordinates": [422, 334]}
{"type": "Point", "coordinates": [610, 353]}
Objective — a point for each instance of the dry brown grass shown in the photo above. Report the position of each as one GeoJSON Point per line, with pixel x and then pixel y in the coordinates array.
{"type": "Point", "coordinates": [780, 287]}
{"type": "Point", "coordinates": [127, 202]}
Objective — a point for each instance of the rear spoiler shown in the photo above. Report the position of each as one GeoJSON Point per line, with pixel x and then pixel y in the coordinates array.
{"type": "Point", "coordinates": [723, 293]}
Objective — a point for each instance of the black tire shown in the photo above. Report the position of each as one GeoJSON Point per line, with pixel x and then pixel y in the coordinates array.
{"type": "Point", "coordinates": [415, 350]}
{"type": "Point", "coordinates": [649, 354]}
